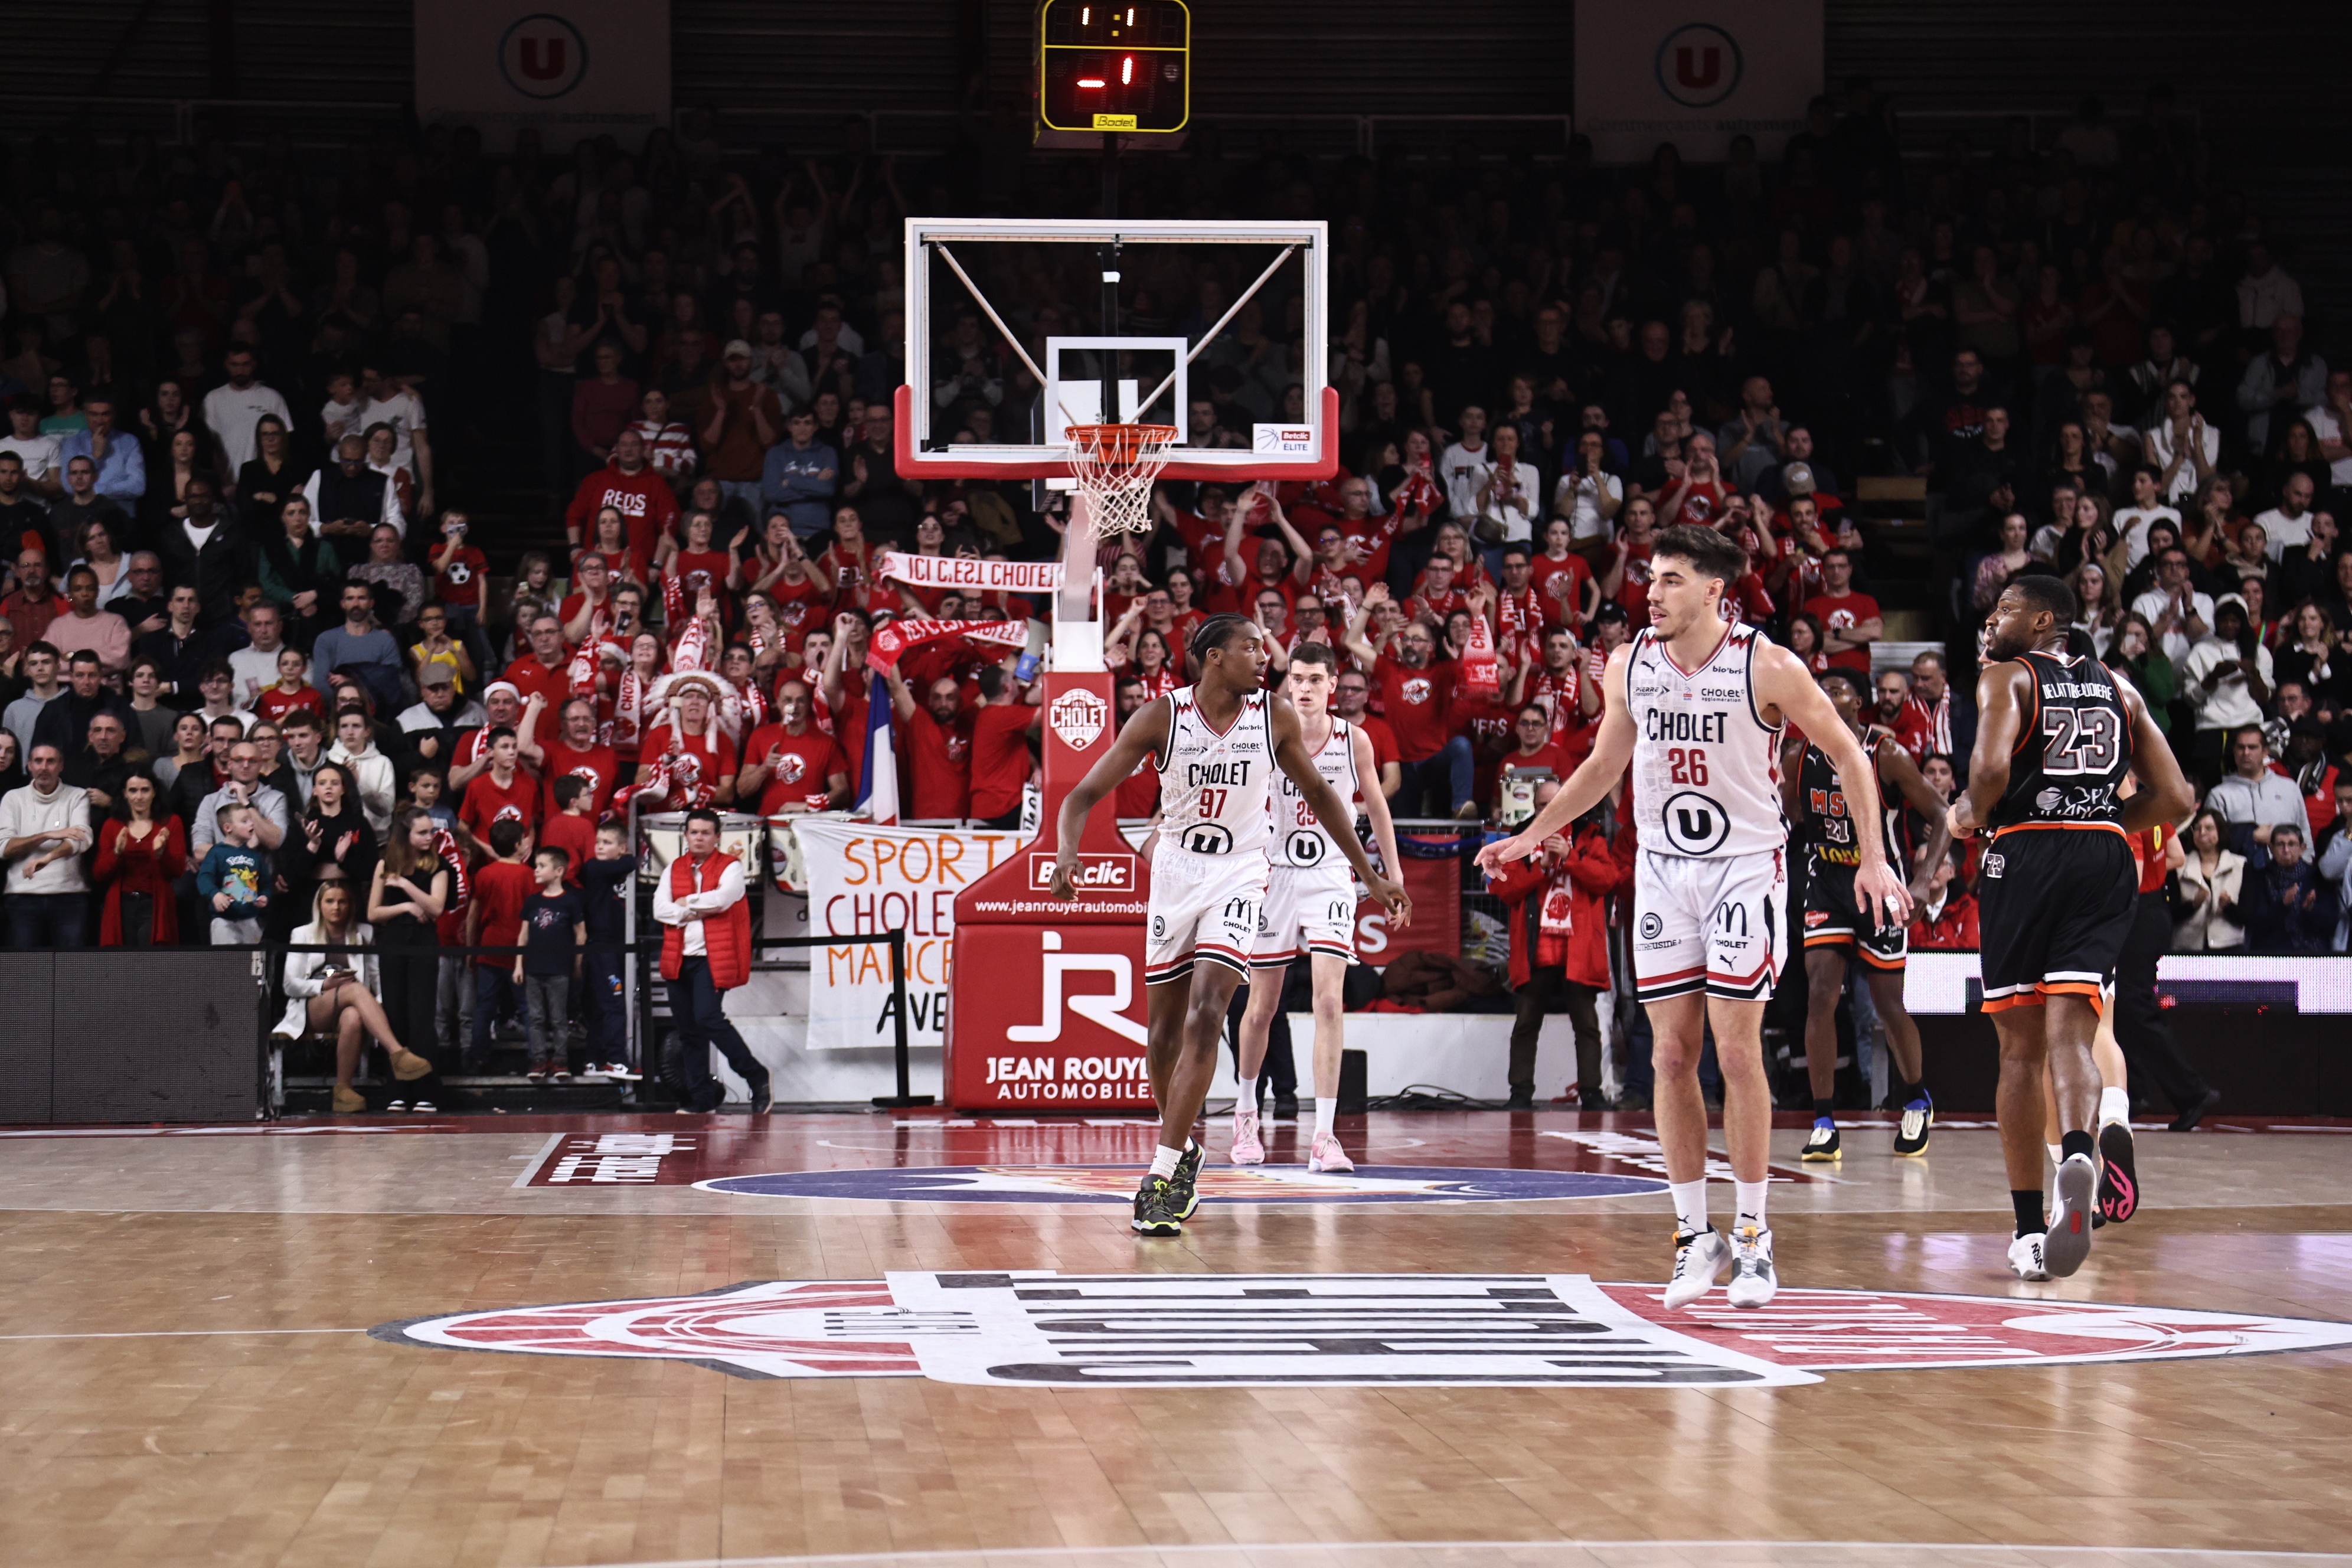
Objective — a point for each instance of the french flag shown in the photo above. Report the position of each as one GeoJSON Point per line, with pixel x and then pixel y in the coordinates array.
{"type": "Point", "coordinates": [877, 780]}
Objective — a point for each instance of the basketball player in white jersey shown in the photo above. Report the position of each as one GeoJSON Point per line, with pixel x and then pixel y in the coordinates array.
{"type": "Point", "coordinates": [1311, 898]}
{"type": "Point", "coordinates": [1216, 744]}
{"type": "Point", "coordinates": [1697, 705]}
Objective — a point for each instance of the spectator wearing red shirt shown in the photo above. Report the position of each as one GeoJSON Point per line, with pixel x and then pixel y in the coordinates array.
{"type": "Point", "coordinates": [937, 748]}
{"type": "Point", "coordinates": [1562, 579]}
{"type": "Point", "coordinates": [1627, 581]}
{"type": "Point", "coordinates": [1000, 747]}
{"type": "Point", "coordinates": [1696, 495]}
{"type": "Point", "coordinates": [792, 764]}
{"type": "Point", "coordinates": [1851, 620]}
{"type": "Point", "coordinates": [1947, 921]}
{"type": "Point", "coordinates": [1413, 692]}
{"type": "Point", "coordinates": [542, 672]}
{"type": "Point", "coordinates": [494, 919]}
{"type": "Point", "coordinates": [701, 758]}
{"type": "Point", "coordinates": [1351, 695]}
{"type": "Point", "coordinates": [1559, 947]}
{"type": "Point", "coordinates": [503, 792]}
{"type": "Point", "coordinates": [1924, 726]}
{"type": "Point", "coordinates": [570, 823]}
{"type": "Point", "coordinates": [629, 485]}
{"type": "Point", "coordinates": [573, 754]}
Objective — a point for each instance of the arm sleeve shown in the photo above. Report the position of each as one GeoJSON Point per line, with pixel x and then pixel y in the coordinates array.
{"type": "Point", "coordinates": [666, 908]}
{"type": "Point", "coordinates": [208, 881]}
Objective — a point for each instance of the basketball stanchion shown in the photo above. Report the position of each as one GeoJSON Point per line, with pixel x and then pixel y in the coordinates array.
{"type": "Point", "coordinates": [902, 1099]}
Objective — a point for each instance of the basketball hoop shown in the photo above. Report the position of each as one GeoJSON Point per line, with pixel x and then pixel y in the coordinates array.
{"type": "Point", "coordinates": [1113, 467]}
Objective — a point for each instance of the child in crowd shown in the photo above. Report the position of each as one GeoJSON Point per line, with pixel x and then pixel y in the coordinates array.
{"type": "Point", "coordinates": [570, 829]}
{"type": "Point", "coordinates": [554, 925]}
{"type": "Point", "coordinates": [495, 919]}
{"type": "Point", "coordinates": [605, 885]}
{"type": "Point", "coordinates": [428, 792]}
{"type": "Point", "coordinates": [234, 872]}
{"type": "Point", "coordinates": [293, 689]}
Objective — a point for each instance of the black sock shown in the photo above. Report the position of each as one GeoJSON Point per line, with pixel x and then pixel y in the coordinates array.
{"type": "Point", "coordinates": [1823, 1108]}
{"type": "Point", "coordinates": [1906, 1091]}
{"type": "Point", "coordinates": [2029, 1211]}
{"type": "Point", "coordinates": [2073, 1143]}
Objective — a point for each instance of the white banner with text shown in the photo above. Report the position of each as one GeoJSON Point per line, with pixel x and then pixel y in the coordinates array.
{"type": "Point", "coordinates": [862, 879]}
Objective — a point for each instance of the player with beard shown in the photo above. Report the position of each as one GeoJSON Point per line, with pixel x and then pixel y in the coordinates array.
{"type": "Point", "coordinates": [1216, 744]}
{"type": "Point", "coordinates": [1310, 897]}
{"type": "Point", "coordinates": [1697, 705]}
{"type": "Point", "coordinates": [2055, 735]}
{"type": "Point", "coordinates": [1833, 924]}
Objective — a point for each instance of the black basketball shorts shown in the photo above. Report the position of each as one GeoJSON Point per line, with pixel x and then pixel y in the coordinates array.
{"type": "Point", "coordinates": [2054, 905]}
{"type": "Point", "coordinates": [1833, 919]}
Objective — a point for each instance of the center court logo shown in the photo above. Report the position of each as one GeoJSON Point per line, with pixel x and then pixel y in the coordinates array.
{"type": "Point", "coordinates": [1040, 1329]}
{"type": "Point", "coordinates": [1227, 1184]}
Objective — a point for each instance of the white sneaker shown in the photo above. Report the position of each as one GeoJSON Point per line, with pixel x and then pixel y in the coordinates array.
{"type": "Point", "coordinates": [2075, 1191]}
{"type": "Point", "coordinates": [1326, 1156]}
{"type": "Point", "coordinates": [1753, 1278]}
{"type": "Point", "coordinates": [1248, 1148]}
{"type": "Point", "coordinates": [1698, 1258]}
{"type": "Point", "coordinates": [2025, 1260]}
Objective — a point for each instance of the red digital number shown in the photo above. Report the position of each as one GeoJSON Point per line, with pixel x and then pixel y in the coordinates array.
{"type": "Point", "coordinates": [1688, 766]}
{"type": "Point", "coordinates": [1213, 802]}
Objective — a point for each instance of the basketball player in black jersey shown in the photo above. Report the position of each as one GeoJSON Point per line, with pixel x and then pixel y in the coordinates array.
{"type": "Point", "coordinates": [2055, 735]}
{"type": "Point", "coordinates": [1834, 925]}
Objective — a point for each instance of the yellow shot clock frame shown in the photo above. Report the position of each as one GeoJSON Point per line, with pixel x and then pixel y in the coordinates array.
{"type": "Point", "coordinates": [1123, 67]}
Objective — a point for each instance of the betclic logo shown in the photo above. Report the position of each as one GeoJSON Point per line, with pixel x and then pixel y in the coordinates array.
{"type": "Point", "coordinates": [1097, 873]}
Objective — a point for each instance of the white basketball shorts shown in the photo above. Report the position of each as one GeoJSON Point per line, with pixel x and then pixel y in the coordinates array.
{"type": "Point", "coordinates": [1717, 924]}
{"type": "Point", "coordinates": [1314, 907]}
{"type": "Point", "coordinates": [1202, 907]}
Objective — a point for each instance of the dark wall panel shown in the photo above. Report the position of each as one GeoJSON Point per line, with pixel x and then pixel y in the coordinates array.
{"type": "Point", "coordinates": [172, 1035]}
{"type": "Point", "coordinates": [25, 1043]}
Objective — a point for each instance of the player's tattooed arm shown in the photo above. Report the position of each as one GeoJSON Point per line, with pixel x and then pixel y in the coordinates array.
{"type": "Point", "coordinates": [1143, 735]}
{"type": "Point", "coordinates": [1290, 756]}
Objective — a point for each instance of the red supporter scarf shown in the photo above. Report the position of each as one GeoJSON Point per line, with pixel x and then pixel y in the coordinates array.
{"type": "Point", "coordinates": [985, 639]}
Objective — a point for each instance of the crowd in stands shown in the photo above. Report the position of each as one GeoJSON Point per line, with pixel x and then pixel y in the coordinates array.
{"type": "Point", "coordinates": [251, 643]}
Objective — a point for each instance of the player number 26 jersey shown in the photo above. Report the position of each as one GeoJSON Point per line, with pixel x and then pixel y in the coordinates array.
{"type": "Point", "coordinates": [1215, 786]}
{"type": "Point", "coordinates": [1299, 840]}
{"type": "Point", "coordinates": [1706, 768]}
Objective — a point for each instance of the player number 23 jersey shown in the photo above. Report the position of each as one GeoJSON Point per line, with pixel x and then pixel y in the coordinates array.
{"type": "Point", "coordinates": [1707, 773]}
{"type": "Point", "coordinates": [1215, 786]}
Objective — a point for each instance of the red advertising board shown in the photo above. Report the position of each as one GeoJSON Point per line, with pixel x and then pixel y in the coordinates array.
{"type": "Point", "coordinates": [1435, 886]}
{"type": "Point", "coordinates": [1048, 1007]}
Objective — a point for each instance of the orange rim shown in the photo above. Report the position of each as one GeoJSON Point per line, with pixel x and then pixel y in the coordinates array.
{"type": "Point", "coordinates": [1117, 445]}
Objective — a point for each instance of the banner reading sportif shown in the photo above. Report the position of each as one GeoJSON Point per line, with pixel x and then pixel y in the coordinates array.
{"type": "Point", "coordinates": [568, 68]}
{"type": "Point", "coordinates": [968, 571]}
{"type": "Point", "coordinates": [1695, 75]}
{"type": "Point", "coordinates": [863, 879]}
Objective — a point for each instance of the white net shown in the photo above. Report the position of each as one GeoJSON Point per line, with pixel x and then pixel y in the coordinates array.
{"type": "Point", "coordinates": [1113, 467]}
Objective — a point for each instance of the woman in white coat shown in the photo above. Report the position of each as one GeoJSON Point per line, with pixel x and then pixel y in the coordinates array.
{"type": "Point", "coordinates": [2209, 882]}
{"type": "Point", "coordinates": [355, 747]}
{"type": "Point", "coordinates": [336, 993]}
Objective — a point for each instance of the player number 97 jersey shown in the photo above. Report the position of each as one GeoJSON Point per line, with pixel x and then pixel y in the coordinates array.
{"type": "Point", "coordinates": [1299, 839]}
{"type": "Point", "coordinates": [1215, 786]}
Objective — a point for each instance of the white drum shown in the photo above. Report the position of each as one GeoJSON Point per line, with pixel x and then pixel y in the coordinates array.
{"type": "Point", "coordinates": [661, 838]}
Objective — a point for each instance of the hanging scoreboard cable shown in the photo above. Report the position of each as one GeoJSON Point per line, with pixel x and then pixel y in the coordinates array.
{"type": "Point", "coordinates": [1118, 68]}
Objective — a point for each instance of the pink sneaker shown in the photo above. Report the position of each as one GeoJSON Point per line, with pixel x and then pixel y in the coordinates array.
{"type": "Point", "coordinates": [1247, 1149]}
{"type": "Point", "coordinates": [1326, 1156]}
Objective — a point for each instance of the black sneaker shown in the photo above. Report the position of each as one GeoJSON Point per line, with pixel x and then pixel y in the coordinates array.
{"type": "Point", "coordinates": [1285, 1108]}
{"type": "Point", "coordinates": [1918, 1121]}
{"type": "Point", "coordinates": [1155, 1208]}
{"type": "Point", "coordinates": [1822, 1142]}
{"type": "Point", "coordinates": [763, 1096]}
{"type": "Point", "coordinates": [1521, 1099]}
{"type": "Point", "coordinates": [2118, 1179]}
{"type": "Point", "coordinates": [1184, 1185]}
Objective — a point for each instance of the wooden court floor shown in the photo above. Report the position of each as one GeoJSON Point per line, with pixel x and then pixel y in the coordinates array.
{"type": "Point", "coordinates": [371, 1341]}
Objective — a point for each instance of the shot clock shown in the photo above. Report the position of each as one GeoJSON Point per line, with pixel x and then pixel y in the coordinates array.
{"type": "Point", "coordinates": [1114, 68]}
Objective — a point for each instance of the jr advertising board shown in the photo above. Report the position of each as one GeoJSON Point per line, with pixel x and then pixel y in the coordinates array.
{"type": "Point", "coordinates": [1695, 75]}
{"type": "Point", "coordinates": [861, 877]}
{"type": "Point", "coordinates": [572, 68]}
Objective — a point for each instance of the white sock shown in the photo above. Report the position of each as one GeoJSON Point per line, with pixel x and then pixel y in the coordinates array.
{"type": "Point", "coordinates": [1325, 1109]}
{"type": "Point", "coordinates": [1163, 1160]}
{"type": "Point", "coordinates": [1750, 1197]}
{"type": "Point", "coordinates": [2115, 1105]}
{"type": "Point", "coordinates": [1189, 1145]}
{"type": "Point", "coordinates": [2057, 1152]}
{"type": "Point", "coordinates": [1248, 1097]}
{"type": "Point", "coordinates": [1690, 1203]}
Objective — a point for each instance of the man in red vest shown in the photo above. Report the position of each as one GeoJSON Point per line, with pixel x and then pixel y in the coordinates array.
{"type": "Point", "coordinates": [706, 952]}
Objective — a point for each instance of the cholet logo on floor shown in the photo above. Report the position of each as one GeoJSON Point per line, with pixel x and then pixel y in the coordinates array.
{"type": "Point", "coordinates": [1226, 1183]}
{"type": "Point", "coordinates": [1039, 1329]}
